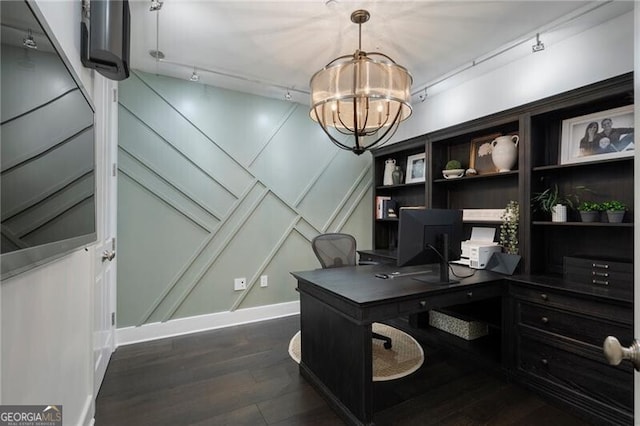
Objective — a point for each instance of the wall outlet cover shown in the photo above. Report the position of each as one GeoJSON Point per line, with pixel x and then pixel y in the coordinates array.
{"type": "Point", "coordinates": [239, 284]}
{"type": "Point", "coordinates": [264, 281]}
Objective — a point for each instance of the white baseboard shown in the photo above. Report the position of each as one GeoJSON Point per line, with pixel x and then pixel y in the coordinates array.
{"type": "Point", "coordinates": [160, 330]}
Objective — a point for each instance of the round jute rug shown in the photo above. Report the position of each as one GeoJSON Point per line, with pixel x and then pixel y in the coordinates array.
{"type": "Point", "coordinates": [405, 357]}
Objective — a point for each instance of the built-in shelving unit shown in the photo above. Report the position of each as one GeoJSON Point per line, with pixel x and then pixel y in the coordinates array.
{"type": "Point", "coordinates": [540, 346]}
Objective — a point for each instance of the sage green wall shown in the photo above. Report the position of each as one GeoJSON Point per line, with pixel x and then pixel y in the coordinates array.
{"type": "Point", "coordinates": [216, 184]}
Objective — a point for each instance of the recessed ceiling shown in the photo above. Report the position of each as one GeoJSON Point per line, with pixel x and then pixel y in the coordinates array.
{"type": "Point", "coordinates": [270, 48]}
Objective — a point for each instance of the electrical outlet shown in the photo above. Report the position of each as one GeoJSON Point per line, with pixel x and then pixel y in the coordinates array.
{"type": "Point", "coordinates": [239, 284]}
{"type": "Point", "coordinates": [264, 281]}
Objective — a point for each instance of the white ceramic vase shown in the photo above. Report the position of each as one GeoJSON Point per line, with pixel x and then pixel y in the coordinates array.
{"type": "Point", "coordinates": [389, 167]}
{"type": "Point", "coordinates": [504, 152]}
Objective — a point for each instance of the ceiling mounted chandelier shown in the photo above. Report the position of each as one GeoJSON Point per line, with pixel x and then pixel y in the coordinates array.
{"type": "Point", "coordinates": [357, 96]}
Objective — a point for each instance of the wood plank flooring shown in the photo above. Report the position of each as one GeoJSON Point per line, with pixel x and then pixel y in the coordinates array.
{"type": "Point", "coordinates": [243, 375]}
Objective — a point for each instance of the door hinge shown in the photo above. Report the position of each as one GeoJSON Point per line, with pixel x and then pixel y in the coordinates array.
{"type": "Point", "coordinates": [113, 243]}
{"type": "Point", "coordinates": [115, 95]}
{"type": "Point", "coordinates": [113, 318]}
{"type": "Point", "coordinates": [114, 169]}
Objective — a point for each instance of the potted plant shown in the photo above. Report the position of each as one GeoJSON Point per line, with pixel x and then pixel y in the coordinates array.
{"type": "Point", "coordinates": [453, 169]}
{"type": "Point", "coordinates": [589, 211]}
{"type": "Point", "coordinates": [509, 228]}
{"type": "Point", "coordinates": [509, 258]}
{"type": "Point", "coordinates": [551, 202]}
{"type": "Point", "coordinates": [615, 210]}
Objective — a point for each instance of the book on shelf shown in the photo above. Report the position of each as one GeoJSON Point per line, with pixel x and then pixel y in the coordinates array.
{"type": "Point", "coordinates": [380, 205]}
{"type": "Point", "coordinates": [389, 209]}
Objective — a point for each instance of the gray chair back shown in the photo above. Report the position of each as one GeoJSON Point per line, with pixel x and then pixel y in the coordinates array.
{"type": "Point", "coordinates": [335, 250]}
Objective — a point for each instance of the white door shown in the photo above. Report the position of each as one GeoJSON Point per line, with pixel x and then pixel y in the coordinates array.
{"type": "Point", "coordinates": [104, 294]}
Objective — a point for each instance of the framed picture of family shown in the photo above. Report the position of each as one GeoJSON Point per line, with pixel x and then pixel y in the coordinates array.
{"type": "Point", "coordinates": [599, 136]}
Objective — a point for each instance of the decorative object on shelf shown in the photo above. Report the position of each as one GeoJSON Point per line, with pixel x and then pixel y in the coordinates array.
{"type": "Point", "coordinates": [559, 213]}
{"type": "Point", "coordinates": [589, 211]}
{"type": "Point", "coordinates": [471, 172]}
{"type": "Point", "coordinates": [615, 210]}
{"type": "Point", "coordinates": [482, 215]}
{"type": "Point", "coordinates": [509, 227]}
{"type": "Point", "coordinates": [396, 175]}
{"type": "Point", "coordinates": [381, 201]}
{"type": "Point", "coordinates": [600, 136]}
{"type": "Point", "coordinates": [480, 154]}
{"type": "Point", "coordinates": [367, 109]}
{"type": "Point", "coordinates": [416, 166]}
{"type": "Point", "coordinates": [389, 167]}
{"type": "Point", "coordinates": [507, 261]}
{"type": "Point", "coordinates": [390, 208]}
{"type": "Point", "coordinates": [548, 202]}
{"type": "Point", "coordinates": [453, 173]}
{"type": "Point", "coordinates": [504, 152]}
{"type": "Point", "coordinates": [453, 169]}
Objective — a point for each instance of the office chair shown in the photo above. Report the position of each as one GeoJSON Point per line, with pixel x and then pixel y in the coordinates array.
{"type": "Point", "coordinates": [335, 250]}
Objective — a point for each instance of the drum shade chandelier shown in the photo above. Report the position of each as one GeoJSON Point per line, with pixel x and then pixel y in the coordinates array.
{"type": "Point", "coordinates": [363, 98]}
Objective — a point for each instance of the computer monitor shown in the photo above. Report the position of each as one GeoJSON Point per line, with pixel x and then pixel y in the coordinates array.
{"type": "Point", "coordinates": [430, 236]}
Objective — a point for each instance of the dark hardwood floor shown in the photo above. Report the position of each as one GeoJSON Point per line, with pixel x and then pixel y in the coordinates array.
{"type": "Point", "coordinates": [243, 375]}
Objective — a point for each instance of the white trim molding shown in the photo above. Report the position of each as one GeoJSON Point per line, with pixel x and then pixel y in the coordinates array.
{"type": "Point", "coordinates": [178, 327]}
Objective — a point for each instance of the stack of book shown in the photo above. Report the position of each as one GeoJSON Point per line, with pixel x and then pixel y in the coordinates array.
{"type": "Point", "coordinates": [386, 208]}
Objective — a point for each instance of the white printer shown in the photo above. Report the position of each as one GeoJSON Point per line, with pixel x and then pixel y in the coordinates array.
{"type": "Point", "coordinates": [477, 250]}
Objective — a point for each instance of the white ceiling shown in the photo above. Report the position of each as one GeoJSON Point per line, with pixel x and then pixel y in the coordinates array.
{"type": "Point", "coordinates": [271, 47]}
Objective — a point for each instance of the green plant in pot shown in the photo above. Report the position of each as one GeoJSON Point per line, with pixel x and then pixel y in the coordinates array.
{"type": "Point", "coordinates": [509, 228]}
{"type": "Point", "coordinates": [589, 211]}
{"type": "Point", "coordinates": [551, 202]}
{"type": "Point", "coordinates": [453, 169]}
{"type": "Point", "coordinates": [509, 258]}
{"type": "Point", "coordinates": [615, 210]}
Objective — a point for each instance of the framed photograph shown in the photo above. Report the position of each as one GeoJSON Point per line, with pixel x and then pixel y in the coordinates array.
{"type": "Point", "coordinates": [416, 166]}
{"type": "Point", "coordinates": [598, 136]}
{"type": "Point", "coordinates": [480, 154]}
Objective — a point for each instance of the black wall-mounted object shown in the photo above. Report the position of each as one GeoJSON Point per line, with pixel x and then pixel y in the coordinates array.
{"type": "Point", "coordinates": [105, 36]}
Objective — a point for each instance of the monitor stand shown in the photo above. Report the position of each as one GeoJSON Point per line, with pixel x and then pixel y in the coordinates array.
{"type": "Point", "coordinates": [443, 278]}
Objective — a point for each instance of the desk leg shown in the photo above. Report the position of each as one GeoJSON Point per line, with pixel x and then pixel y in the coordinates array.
{"type": "Point", "coordinates": [336, 359]}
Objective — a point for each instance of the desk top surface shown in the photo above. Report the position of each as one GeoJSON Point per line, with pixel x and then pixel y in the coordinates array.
{"type": "Point", "coordinates": [359, 284]}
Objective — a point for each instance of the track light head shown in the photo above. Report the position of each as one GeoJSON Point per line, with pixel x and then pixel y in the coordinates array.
{"type": "Point", "coordinates": [155, 5]}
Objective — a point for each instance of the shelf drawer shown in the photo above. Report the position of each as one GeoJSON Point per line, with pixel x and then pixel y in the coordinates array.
{"type": "Point", "coordinates": [611, 385]}
{"type": "Point", "coordinates": [578, 327]}
{"type": "Point", "coordinates": [573, 303]}
{"type": "Point", "coordinates": [599, 272]}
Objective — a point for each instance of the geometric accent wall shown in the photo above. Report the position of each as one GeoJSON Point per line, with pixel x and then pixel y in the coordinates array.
{"type": "Point", "coordinates": [215, 184]}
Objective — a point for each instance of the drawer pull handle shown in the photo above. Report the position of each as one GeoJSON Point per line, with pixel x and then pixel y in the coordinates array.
{"type": "Point", "coordinates": [600, 274]}
{"type": "Point", "coordinates": [544, 361]}
{"type": "Point", "coordinates": [601, 282]}
{"type": "Point", "coordinates": [470, 294]}
{"type": "Point", "coordinates": [544, 296]}
{"type": "Point", "coordinates": [600, 265]}
{"type": "Point", "coordinates": [544, 320]}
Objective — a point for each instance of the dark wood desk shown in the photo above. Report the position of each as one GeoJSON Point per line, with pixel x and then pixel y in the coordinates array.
{"type": "Point", "coordinates": [337, 308]}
